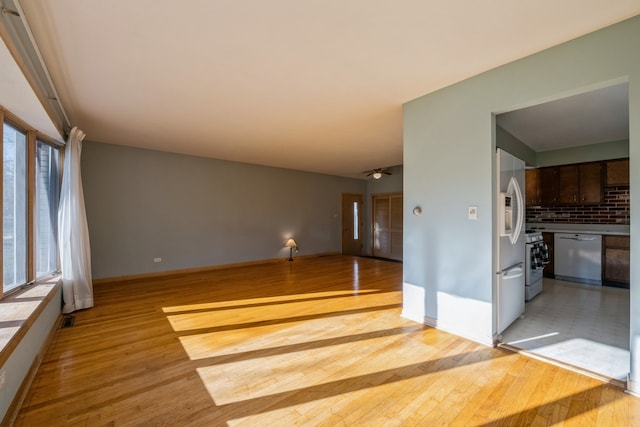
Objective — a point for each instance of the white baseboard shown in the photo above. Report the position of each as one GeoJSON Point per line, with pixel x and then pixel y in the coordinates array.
{"type": "Point", "coordinates": [632, 388]}
{"type": "Point", "coordinates": [430, 321]}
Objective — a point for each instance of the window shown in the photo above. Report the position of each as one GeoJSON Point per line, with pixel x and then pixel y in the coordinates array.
{"type": "Point", "coordinates": [46, 209]}
{"type": "Point", "coordinates": [14, 203]}
{"type": "Point", "coordinates": [356, 222]}
{"type": "Point", "coordinates": [30, 199]}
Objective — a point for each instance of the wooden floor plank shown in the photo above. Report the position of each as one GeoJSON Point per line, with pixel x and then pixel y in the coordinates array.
{"type": "Point", "coordinates": [313, 342]}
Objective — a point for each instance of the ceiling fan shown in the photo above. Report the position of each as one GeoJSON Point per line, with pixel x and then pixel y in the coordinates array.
{"type": "Point", "coordinates": [377, 172]}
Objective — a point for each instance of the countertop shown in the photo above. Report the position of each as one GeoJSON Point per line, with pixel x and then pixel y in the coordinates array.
{"type": "Point", "coordinates": [604, 229]}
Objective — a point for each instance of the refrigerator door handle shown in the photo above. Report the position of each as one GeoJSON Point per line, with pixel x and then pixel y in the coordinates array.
{"type": "Point", "coordinates": [512, 272]}
{"type": "Point", "coordinates": [515, 187]}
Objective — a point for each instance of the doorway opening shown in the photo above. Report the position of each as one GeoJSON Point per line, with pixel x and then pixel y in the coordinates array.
{"type": "Point", "coordinates": [570, 145]}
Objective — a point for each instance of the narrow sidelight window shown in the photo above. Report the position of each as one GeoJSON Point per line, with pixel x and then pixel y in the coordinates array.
{"type": "Point", "coordinates": [356, 231]}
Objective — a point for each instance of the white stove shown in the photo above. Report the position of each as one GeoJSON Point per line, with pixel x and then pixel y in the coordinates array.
{"type": "Point", "coordinates": [534, 265]}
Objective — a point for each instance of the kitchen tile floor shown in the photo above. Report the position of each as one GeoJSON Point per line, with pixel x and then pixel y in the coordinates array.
{"type": "Point", "coordinates": [580, 325]}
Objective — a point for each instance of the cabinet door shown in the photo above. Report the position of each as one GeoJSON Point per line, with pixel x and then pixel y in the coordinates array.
{"type": "Point", "coordinates": [616, 260]}
{"type": "Point", "coordinates": [611, 241]}
{"type": "Point", "coordinates": [547, 186]}
{"type": "Point", "coordinates": [616, 265]}
{"type": "Point", "coordinates": [590, 183]}
{"type": "Point", "coordinates": [568, 184]}
{"type": "Point", "coordinates": [617, 172]}
{"type": "Point", "coordinates": [531, 183]}
{"type": "Point", "coordinates": [549, 268]}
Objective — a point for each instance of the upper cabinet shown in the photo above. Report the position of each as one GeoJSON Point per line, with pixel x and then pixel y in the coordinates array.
{"type": "Point", "coordinates": [566, 185]}
{"type": "Point", "coordinates": [591, 183]}
{"type": "Point", "coordinates": [617, 172]}
{"type": "Point", "coordinates": [547, 186]}
{"type": "Point", "coordinates": [531, 183]}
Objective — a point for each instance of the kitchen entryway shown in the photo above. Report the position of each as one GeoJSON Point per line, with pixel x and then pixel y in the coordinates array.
{"type": "Point", "coordinates": [583, 326]}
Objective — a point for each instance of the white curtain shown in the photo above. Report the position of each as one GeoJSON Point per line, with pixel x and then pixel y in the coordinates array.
{"type": "Point", "coordinates": [73, 233]}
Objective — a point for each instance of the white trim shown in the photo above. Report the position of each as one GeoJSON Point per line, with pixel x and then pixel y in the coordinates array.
{"type": "Point", "coordinates": [632, 387]}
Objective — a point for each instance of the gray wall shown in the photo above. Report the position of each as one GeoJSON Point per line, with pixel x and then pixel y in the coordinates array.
{"type": "Point", "coordinates": [196, 212]}
{"type": "Point", "coordinates": [513, 145]}
{"type": "Point", "coordinates": [449, 164]}
{"type": "Point", "coordinates": [586, 153]}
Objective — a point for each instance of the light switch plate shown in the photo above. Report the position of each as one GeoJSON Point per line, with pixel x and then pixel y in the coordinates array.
{"type": "Point", "coordinates": [472, 212]}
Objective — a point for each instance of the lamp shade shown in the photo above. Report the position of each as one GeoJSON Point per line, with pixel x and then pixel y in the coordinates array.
{"type": "Point", "coordinates": [291, 244]}
{"type": "Point", "coordinates": [377, 175]}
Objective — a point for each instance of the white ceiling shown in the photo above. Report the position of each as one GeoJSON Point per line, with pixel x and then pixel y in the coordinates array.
{"type": "Point", "coordinates": [600, 115]}
{"type": "Point", "coordinates": [309, 85]}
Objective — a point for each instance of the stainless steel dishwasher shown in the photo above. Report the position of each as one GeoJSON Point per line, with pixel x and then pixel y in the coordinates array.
{"type": "Point", "coordinates": [578, 257]}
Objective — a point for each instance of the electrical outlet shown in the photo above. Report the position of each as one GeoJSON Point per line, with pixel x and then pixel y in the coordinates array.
{"type": "Point", "coordinates": [472, 212]}
{"type": "Point", "coordinates": [157, 260]}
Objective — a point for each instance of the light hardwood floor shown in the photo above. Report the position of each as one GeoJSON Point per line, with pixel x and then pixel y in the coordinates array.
{"type": "Point", "coordinates": [313, 342]}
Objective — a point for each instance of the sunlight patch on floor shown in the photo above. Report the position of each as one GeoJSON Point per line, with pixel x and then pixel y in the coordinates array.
{"type": "Point", "coordinates": [263, 300]}
{"type": "Point", "coordinates": [589, 355]}
{"type": "Point", "coordinates": [298, 310]}
{"type": "Point", "coordinates": [318, 374]}
{"type": "Point", "coordinates": [282, 373]}
{"type": "Point", "coordinates": [286, 337]}
{"type": "Point", "coordinates": [287, 386]}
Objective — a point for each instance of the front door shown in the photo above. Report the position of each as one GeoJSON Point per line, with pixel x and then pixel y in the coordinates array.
{"type": "Point", "coordinates": [352, 224]}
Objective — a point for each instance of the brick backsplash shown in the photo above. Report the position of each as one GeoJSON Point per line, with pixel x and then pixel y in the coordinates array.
{"type": "Point", "coordinates": [613, 210]}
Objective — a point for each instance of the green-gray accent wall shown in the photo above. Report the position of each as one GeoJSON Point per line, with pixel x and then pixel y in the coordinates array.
{"type": "Point", "coordinates": [584, 153]}
{"type": "Point", "coordinates": [564, 156]}
{"type": "Point", "coordinates": [513, 145]}
{"type": "Point", "coordinates": [449, 165]}
{"type": "Point", "coordinates": [195, 212]}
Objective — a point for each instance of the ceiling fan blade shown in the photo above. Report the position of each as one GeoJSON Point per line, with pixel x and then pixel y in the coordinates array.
{"type": "Point", "coordinates": [377, 170]}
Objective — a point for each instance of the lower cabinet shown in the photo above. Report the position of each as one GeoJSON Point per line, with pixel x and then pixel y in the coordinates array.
{"type": "Point", "coordinates": [549, 270]}
{"type": "Point", "coordinates": [615, 261]}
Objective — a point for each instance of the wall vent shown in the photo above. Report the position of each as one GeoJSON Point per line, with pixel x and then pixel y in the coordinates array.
{"type": "Point", "coordinates": [68, 322]}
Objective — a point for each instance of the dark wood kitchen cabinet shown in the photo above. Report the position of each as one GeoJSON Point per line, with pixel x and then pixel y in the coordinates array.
{"type": "Point", "coordinates": [570, 184]}
{"type": "Point", "coordinates": [549, 268]}
{"type": "Point", "coordinates": [531, 185]}
{"type": "Point", "coordinates": [580, 183]}
{"type": "Point", "coordinates": [590, 183]}
{"type": "Point", "coordinates": [616, 261]}
{"type": "Point", "coordinates": [617, 172]}
{"type": "Point", "coordinates": [547, 187]}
